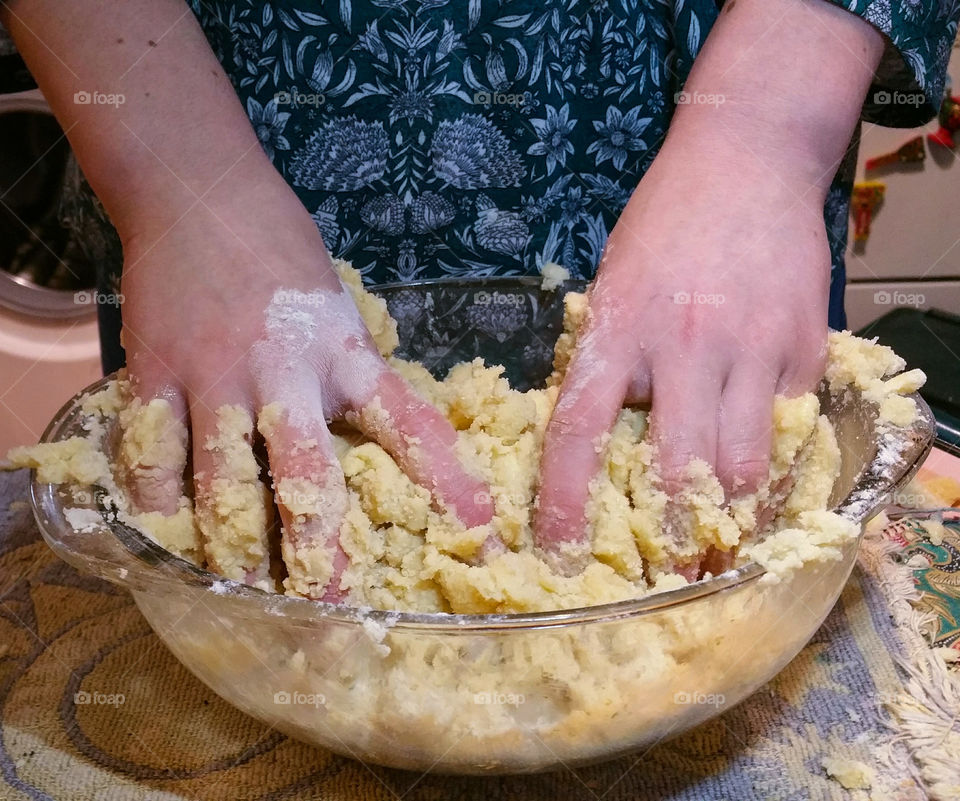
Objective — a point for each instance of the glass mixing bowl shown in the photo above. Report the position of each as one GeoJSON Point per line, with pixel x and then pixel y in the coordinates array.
{"type": "Point", "coordinates": [484, 693]}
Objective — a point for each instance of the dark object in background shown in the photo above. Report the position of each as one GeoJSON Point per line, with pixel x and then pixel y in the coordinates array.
{"type": "Point", "coordinates": [14, 75]}
{"type": "Point", "coordinates": [929, 340]}
{"type": "Point", "coordinates": [34, 245]}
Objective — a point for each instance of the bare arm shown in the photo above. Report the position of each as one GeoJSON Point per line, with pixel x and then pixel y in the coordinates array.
{"type": "Point", "coordinates": [180, 132]}
{"type": "Point", "coordinates": [219, 256]}
{"type": "Point", "coordinates": [729, 219]}
{"type": "Point", "coordinates": [793, 75]}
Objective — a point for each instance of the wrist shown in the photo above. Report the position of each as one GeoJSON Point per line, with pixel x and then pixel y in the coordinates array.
{"type": "Point", "coordinates": [728, 145]}
{"type": "Point", "coordinates": [243, 187]}
{"type": "Point", "coordinates": [784, 81]}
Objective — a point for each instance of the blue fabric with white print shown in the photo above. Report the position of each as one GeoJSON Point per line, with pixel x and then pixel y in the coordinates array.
{"type": "Point", "coordinates": [443, 138]}
{"type": "Point", "coordinates": [447, 139]}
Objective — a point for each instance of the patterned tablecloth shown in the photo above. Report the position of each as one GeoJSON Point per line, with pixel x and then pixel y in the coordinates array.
{"type": "Point", "coordinates": [94, 708]}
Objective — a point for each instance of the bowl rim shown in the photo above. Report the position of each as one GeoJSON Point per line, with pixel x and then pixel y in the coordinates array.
{"type": "Point", "coordinates": [525, 281]}
{"type": "Point", "coordinates": [871, 487]}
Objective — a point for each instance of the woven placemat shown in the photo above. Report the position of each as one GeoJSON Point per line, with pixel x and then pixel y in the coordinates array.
{"type": "Point", "coordinates": [149, 730]}
{"type": "Point", "coordinates": [914, 559]}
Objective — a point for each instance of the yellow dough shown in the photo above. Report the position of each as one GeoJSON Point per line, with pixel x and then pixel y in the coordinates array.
{"type": "Point", "coordinates": [405, 554]}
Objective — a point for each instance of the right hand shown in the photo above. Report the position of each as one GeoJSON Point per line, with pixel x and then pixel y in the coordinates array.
{"type": "Point", "coordinates": [203, 329]}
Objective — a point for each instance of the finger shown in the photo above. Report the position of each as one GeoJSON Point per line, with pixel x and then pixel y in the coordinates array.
{"type": "Point", "coordinates": [683, 426]}
{"type": "Point", "coordinates": [233, 506]}
{"type": "Point", "coordinates": [683, 417]}
{"type": "Point", "coordinates": [591, 396]}
{"type": "Point", "coordinates": [308, 483]}
{"type": "Point", "coordinates": [804, 371]}
{"type": "Point", "coordinates": [423, 442]}
{"type": "Point", "coordinates": [745, 430]}
{"type": "Point", "coordinates": [312, 498]}
{"type": "Point", "coordinates": [153, 439]}
{"type": "Point", "coordinates": [767, 510]}
{"type": "Point", "coordinates": [770, 506]}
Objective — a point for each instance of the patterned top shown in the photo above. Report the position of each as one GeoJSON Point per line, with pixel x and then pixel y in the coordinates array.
{"type": "Point", "coordinates": [444, 138]}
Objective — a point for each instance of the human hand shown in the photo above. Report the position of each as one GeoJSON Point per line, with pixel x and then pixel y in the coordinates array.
{"type": "Point", "coordinates": [711, 297]}
{"type": "Point", "coordinates": [731, 207]}
{"type": "Point", "coordinates": [235, 315]}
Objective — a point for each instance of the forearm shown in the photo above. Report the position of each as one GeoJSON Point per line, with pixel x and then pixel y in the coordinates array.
{"type": "Point", "coordinates": [179, 133]}
{"type": "Point", "coordinates": [787, 80]}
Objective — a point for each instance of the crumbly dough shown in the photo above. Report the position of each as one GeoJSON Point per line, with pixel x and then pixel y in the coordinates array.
{"type": "Point", "coordinates": [405, 554]}
{"type": "Point", "coordinates": [523, 697]}
{"type": "Point", "coordinates": [76, 460]}
{"type": "Point", "coordinates": [553, 275]}
{"type": "Point", "coordinates": [236, 511]}
{"type": "Point", "coordinates": [82, 462]}
{"type": "Point", "coordinates": [382, 326]}
{"type": "Point", "coordinates": [850, 773]}
{"type": "Point", "coordinates": [875, 370]}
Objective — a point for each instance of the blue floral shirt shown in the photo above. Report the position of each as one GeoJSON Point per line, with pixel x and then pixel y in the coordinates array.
{"type": "Point", "coordinates": [478, 137]}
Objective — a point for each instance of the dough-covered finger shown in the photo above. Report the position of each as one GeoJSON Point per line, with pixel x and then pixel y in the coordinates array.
{"type": "Point", "coordinates": [683, 426]}
{"type": "Point", "coordinates": [684, 414]}
{"type": "Point", "coordinates": [312, 498]}
{"type": "Point", "coordinates": [590, 398]}
{"type": "Point", "coordinates": [234, 509]}
{"type": "Point", "coordinates": [153, 438]}
{"type": "Point", "coordinates": [773, 499]}
{"type": "Point", "coordinates": [423, 443]}
{"type": "Point", "coordinates": [745, 430]}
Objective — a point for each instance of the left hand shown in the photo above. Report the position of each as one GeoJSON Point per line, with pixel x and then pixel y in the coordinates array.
{"type": "Point", "coordinates": [710, 298]}
{"type": "Point", "coordinates": [731, 208]}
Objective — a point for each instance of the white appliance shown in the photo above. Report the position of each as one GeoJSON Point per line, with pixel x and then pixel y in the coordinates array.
{"type": "Point", "coordinates": [912, 257]}
{"type": "Point", "coordinates": [49, 346]}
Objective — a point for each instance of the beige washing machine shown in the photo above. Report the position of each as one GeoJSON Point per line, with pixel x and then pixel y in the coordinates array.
{"type": "Point", "coordinates": [49, 346]}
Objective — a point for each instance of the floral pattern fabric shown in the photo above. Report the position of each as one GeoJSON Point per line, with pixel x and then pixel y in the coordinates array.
{"type": "Point", "coordinates": [481, 137]}
{"type": "Point", "coordinates": [445, 138]}
{"type": "Point", "coordinates": [908, 85]}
